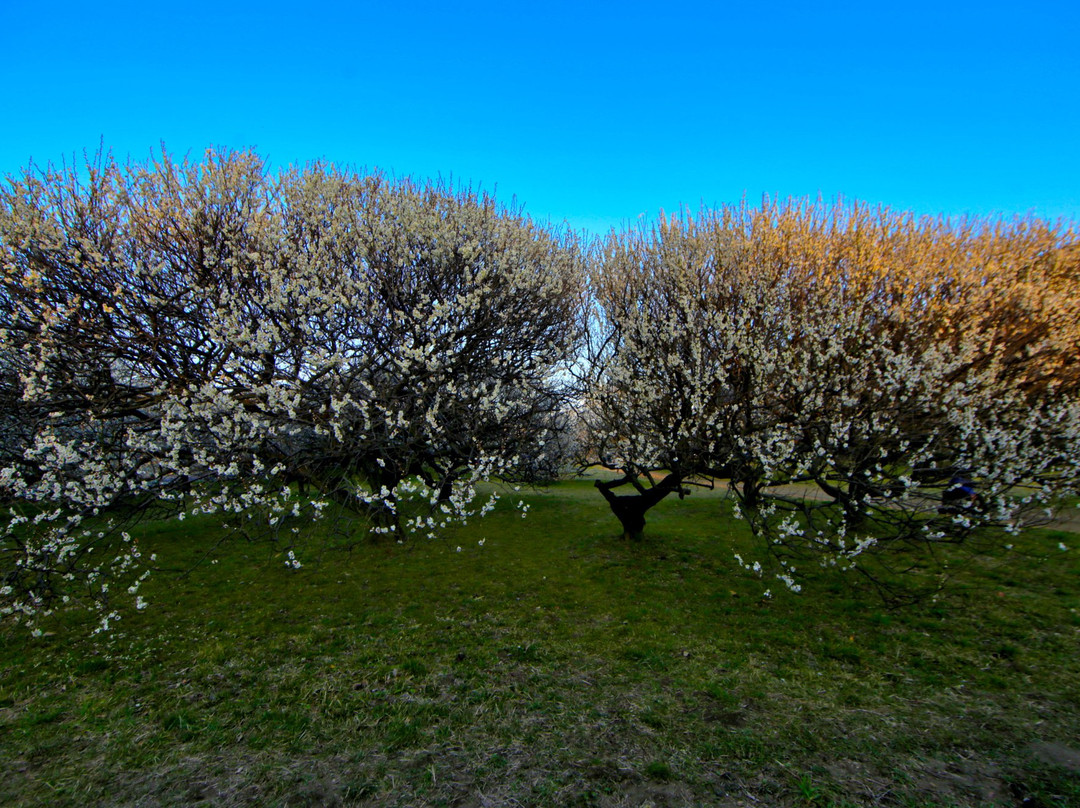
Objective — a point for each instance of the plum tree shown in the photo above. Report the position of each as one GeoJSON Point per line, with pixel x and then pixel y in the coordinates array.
{"type": "Point", "coordinates": [198, 335]}
{"type": "Point", "coordinates": [844, 370]}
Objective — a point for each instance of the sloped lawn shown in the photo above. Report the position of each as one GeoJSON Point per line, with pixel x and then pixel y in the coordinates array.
{"type": "Point", "coordinates": [554, 664]}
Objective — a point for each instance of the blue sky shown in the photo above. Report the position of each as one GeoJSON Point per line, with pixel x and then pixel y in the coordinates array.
{"type": "Point", "coordinates": [592, 113]}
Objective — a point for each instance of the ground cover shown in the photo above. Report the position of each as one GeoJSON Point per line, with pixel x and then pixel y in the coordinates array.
{"type": "Point", "coordinates": [553, 664]}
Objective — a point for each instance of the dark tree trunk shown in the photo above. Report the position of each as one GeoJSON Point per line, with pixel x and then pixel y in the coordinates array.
{"type": "Point", "coordinates": [851, 500]}
{"type": "Point", "coordinates": [630, 509]}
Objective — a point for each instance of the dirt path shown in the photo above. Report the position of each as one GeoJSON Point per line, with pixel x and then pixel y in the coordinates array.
{"type": "Point", "coordinates": [1067, 519]}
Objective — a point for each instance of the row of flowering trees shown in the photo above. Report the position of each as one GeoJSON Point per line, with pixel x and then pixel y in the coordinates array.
{"type": "Point", "coordinates": [207, 336]}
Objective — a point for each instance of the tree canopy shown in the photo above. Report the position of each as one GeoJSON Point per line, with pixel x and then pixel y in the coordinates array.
{"type": "Point", "coordinates": [201, 334]}
{"type": "Point", "coordinates": [879, 363]}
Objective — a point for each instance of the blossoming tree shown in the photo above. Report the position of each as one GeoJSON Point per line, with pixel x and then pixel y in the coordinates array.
{"type": "Point", "coordinates": [869, 385]}
{"type": "Point", "coordinates": [199, 335]}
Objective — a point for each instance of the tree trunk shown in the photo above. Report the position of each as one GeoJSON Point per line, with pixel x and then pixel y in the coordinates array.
{"type": "Point", "coordinates": [630, 510]}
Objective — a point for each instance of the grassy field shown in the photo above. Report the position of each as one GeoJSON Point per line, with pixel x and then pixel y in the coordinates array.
{"type": "Point", "coordinates": [552, 665]}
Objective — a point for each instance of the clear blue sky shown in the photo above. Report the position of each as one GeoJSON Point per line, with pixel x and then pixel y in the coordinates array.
{"type": "Point", "coordinates": [593, 113]}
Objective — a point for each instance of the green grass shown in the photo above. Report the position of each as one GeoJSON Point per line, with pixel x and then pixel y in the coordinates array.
{"type": "Point", "coordinates": [554, 665]}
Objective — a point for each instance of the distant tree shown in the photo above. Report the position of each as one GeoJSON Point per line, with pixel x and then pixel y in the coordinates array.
{"type": "Point", "coordinates": [201, 334]}
{"type": "Point", "coordinates": [847, 371]}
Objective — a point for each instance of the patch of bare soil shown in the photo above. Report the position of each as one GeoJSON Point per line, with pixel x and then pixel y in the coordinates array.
{"type": "Point", "coordinates": [963, 782]}
{"type": "Point", "coordinates": [1057, 754]}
